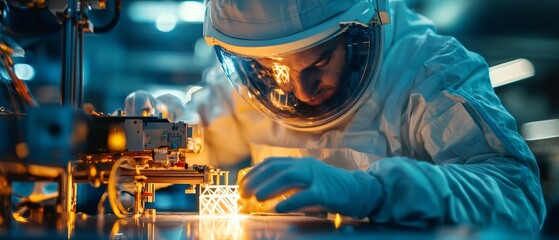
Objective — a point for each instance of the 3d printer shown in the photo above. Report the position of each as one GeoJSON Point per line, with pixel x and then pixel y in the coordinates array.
{"type": "Point", "coordinates": [65, 145]}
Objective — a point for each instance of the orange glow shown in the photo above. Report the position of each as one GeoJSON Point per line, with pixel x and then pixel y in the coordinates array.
{"type": "Point", "coordinates": [220, 228]}
{"type": "Point", "coordinates": [19, 218]}
{"type": "Point", "coordinates": [117, 140]}
{"type": "Point", "coordinates": [281, 73]}
{"type": "Point", "coordinates": [22, 150]}
{"type": "Point", "coordinates": [279, 100]}
{"type": "Point", "coordinates": [145, 113]}
{"type": "Point", "coordinates": [338, 221]}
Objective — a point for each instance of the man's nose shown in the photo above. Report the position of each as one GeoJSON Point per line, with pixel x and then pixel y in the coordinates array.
{"type": "Point", "coordinates": [306, 84]}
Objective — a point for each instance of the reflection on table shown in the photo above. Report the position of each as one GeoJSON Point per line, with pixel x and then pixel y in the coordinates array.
{"type": "Point", "coordinates": [192, 226]}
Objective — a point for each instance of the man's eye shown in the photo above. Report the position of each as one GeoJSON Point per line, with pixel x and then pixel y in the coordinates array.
{"type": "Point", "coordinates": [323, 62]}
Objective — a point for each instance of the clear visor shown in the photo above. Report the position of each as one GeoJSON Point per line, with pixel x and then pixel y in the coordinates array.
{"type": "Point", "coordinates": [313, 86]}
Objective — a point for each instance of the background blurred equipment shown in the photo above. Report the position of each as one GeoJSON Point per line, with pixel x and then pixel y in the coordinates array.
{"type": "Point", "coordinates": [74, 24]}
{"type": "Point", "coordinates": [73, 16]}
{"type": "Point", "coordinates": [140, 103]}
{"type": "Point", "coordinates": [62, 144]}
{"type": "Point", "coordinates": [28, 18]}
{"type": "Point", "coordinates": [37, 147]}
{"type": "Point", "coordinates": [543, 139]}
{"type": "Point", "coordinates": [15, 90]}
{"type": "Point", "coordinates": [39, 143]}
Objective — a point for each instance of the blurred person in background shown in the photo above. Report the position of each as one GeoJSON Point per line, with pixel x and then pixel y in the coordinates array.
{"type": "Point", "coordinates": [171, 107]}
{"type": "Point", "coordinates": [140, 103]}
{"type": "Point", "coordinates": [143, 103]}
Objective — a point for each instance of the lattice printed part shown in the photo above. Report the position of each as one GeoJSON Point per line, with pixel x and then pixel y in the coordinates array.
{"type": "Point", "coordinates": [219, 200]}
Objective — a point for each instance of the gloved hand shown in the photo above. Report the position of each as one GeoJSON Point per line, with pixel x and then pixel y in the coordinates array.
{"type": "Point", "coordinates": [252, 205]}
{"type": "Point", "coordinates": [350, 193]}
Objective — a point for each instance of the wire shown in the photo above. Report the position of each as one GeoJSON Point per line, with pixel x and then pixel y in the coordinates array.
{"type": "Point", "coordinates": [112, 24]}
{"type": "Point", "coordinates": [113, 192]}
{"type": "Point", "coordinates": [18, 84]}
{"type": "Point", "coordinates": [100, 205]}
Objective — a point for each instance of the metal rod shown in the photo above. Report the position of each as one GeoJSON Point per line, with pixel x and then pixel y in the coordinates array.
{"type": "Point", "coordinates": [70, 189]}
{"type": "Point", "coordinates": [79, 57]}
{"type": "Point", "coordinates": [138, 198]}
{"type": "Point", "coordinates": [71, 55]}
{"type": "Point", "coordinates": [5, 200]}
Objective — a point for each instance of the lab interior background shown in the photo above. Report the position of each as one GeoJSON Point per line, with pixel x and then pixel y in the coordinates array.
{"type": "Point", "coordinates": [158, 46]}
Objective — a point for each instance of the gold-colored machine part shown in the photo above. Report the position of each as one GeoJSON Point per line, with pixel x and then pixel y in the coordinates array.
{"type": "Point", "coordinates": [138, 174]}
{"type": "Point", "coordinates": [44, 144]}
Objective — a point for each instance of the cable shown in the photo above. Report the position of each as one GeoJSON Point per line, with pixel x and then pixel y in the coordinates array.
{"type": "Point", "coordinates": [112, 187]}
{"type": "Point", "coordinates": [114, 20]}
{"type": "Point", "coordinates": [100, 207]}
{"type": "Point", "coordinates": [19, 86]}
{"type": "Point", "coordinates": [114, 198]}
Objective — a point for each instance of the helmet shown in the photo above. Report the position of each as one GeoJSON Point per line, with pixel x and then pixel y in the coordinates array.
{"type": "Point", "coordinates": [305, 64]}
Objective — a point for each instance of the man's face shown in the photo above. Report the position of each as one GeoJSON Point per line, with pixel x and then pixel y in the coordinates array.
{"type": "Point", "coordinates": [313, 75]}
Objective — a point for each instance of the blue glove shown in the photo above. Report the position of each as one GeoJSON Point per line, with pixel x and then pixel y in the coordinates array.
{"type": "Point", "coordinates": [349, 193]}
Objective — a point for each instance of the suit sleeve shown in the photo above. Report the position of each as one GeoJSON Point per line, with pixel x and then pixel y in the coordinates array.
{"type": "Point", "coordinates": [475, 167]}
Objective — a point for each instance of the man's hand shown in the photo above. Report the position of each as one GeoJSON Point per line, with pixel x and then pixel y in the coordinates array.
{"type": "Point", "coordinates": [350, 193]}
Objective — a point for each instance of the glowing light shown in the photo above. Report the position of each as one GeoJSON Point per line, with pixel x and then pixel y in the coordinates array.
{"type": "Point", "coordinates": [166, 23]}
{"type": "Point", "coordinates": [149, 11]}
{"type": "Point", "coordinates": [281, 73]}
{"type": "Point", "coordinates": [338, 221]}
{"type": "Point", "coordinates": [220, 228]}
{"type": "Point", "coordinates": [191, 90]}
{"type": "Point", "coordinates": [190, 11]}
{"type": "Point", "coordinates": [252, 205]}
{"type": "Point", "coordinates": [19, 218]}
{"type": "Point", "coordinates": [24, 71]}
{"type": "Point", "coordinates": [146, 112]}
{"type": "Point", "coordinates": [22, 150]}
{"type": "Point", "coordinates": [447, 13]}
{"type": "Point", "coordinates": [202, 50]}
{"type": "Point", "coordinates": [511, 72]}
{"type": "Point", "coordinates": [280, 100]}
{"type": "Point", "coordinates": [117, 140]}
{"type": "Point", "coordinates": [540, 130]}
{"type": "Point", "coordinates": [219, 201]}
{"type": "Point", "coordinates": [229, 66]}
{"type": "Point", "coordinates": [157, 92]}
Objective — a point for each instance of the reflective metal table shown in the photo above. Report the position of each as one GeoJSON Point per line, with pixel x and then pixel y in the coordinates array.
{"type": "Point", "coordinates": [192, 226]}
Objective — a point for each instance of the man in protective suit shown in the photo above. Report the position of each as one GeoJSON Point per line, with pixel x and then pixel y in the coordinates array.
{"type": "Point", "coordinates": [364, 110]}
